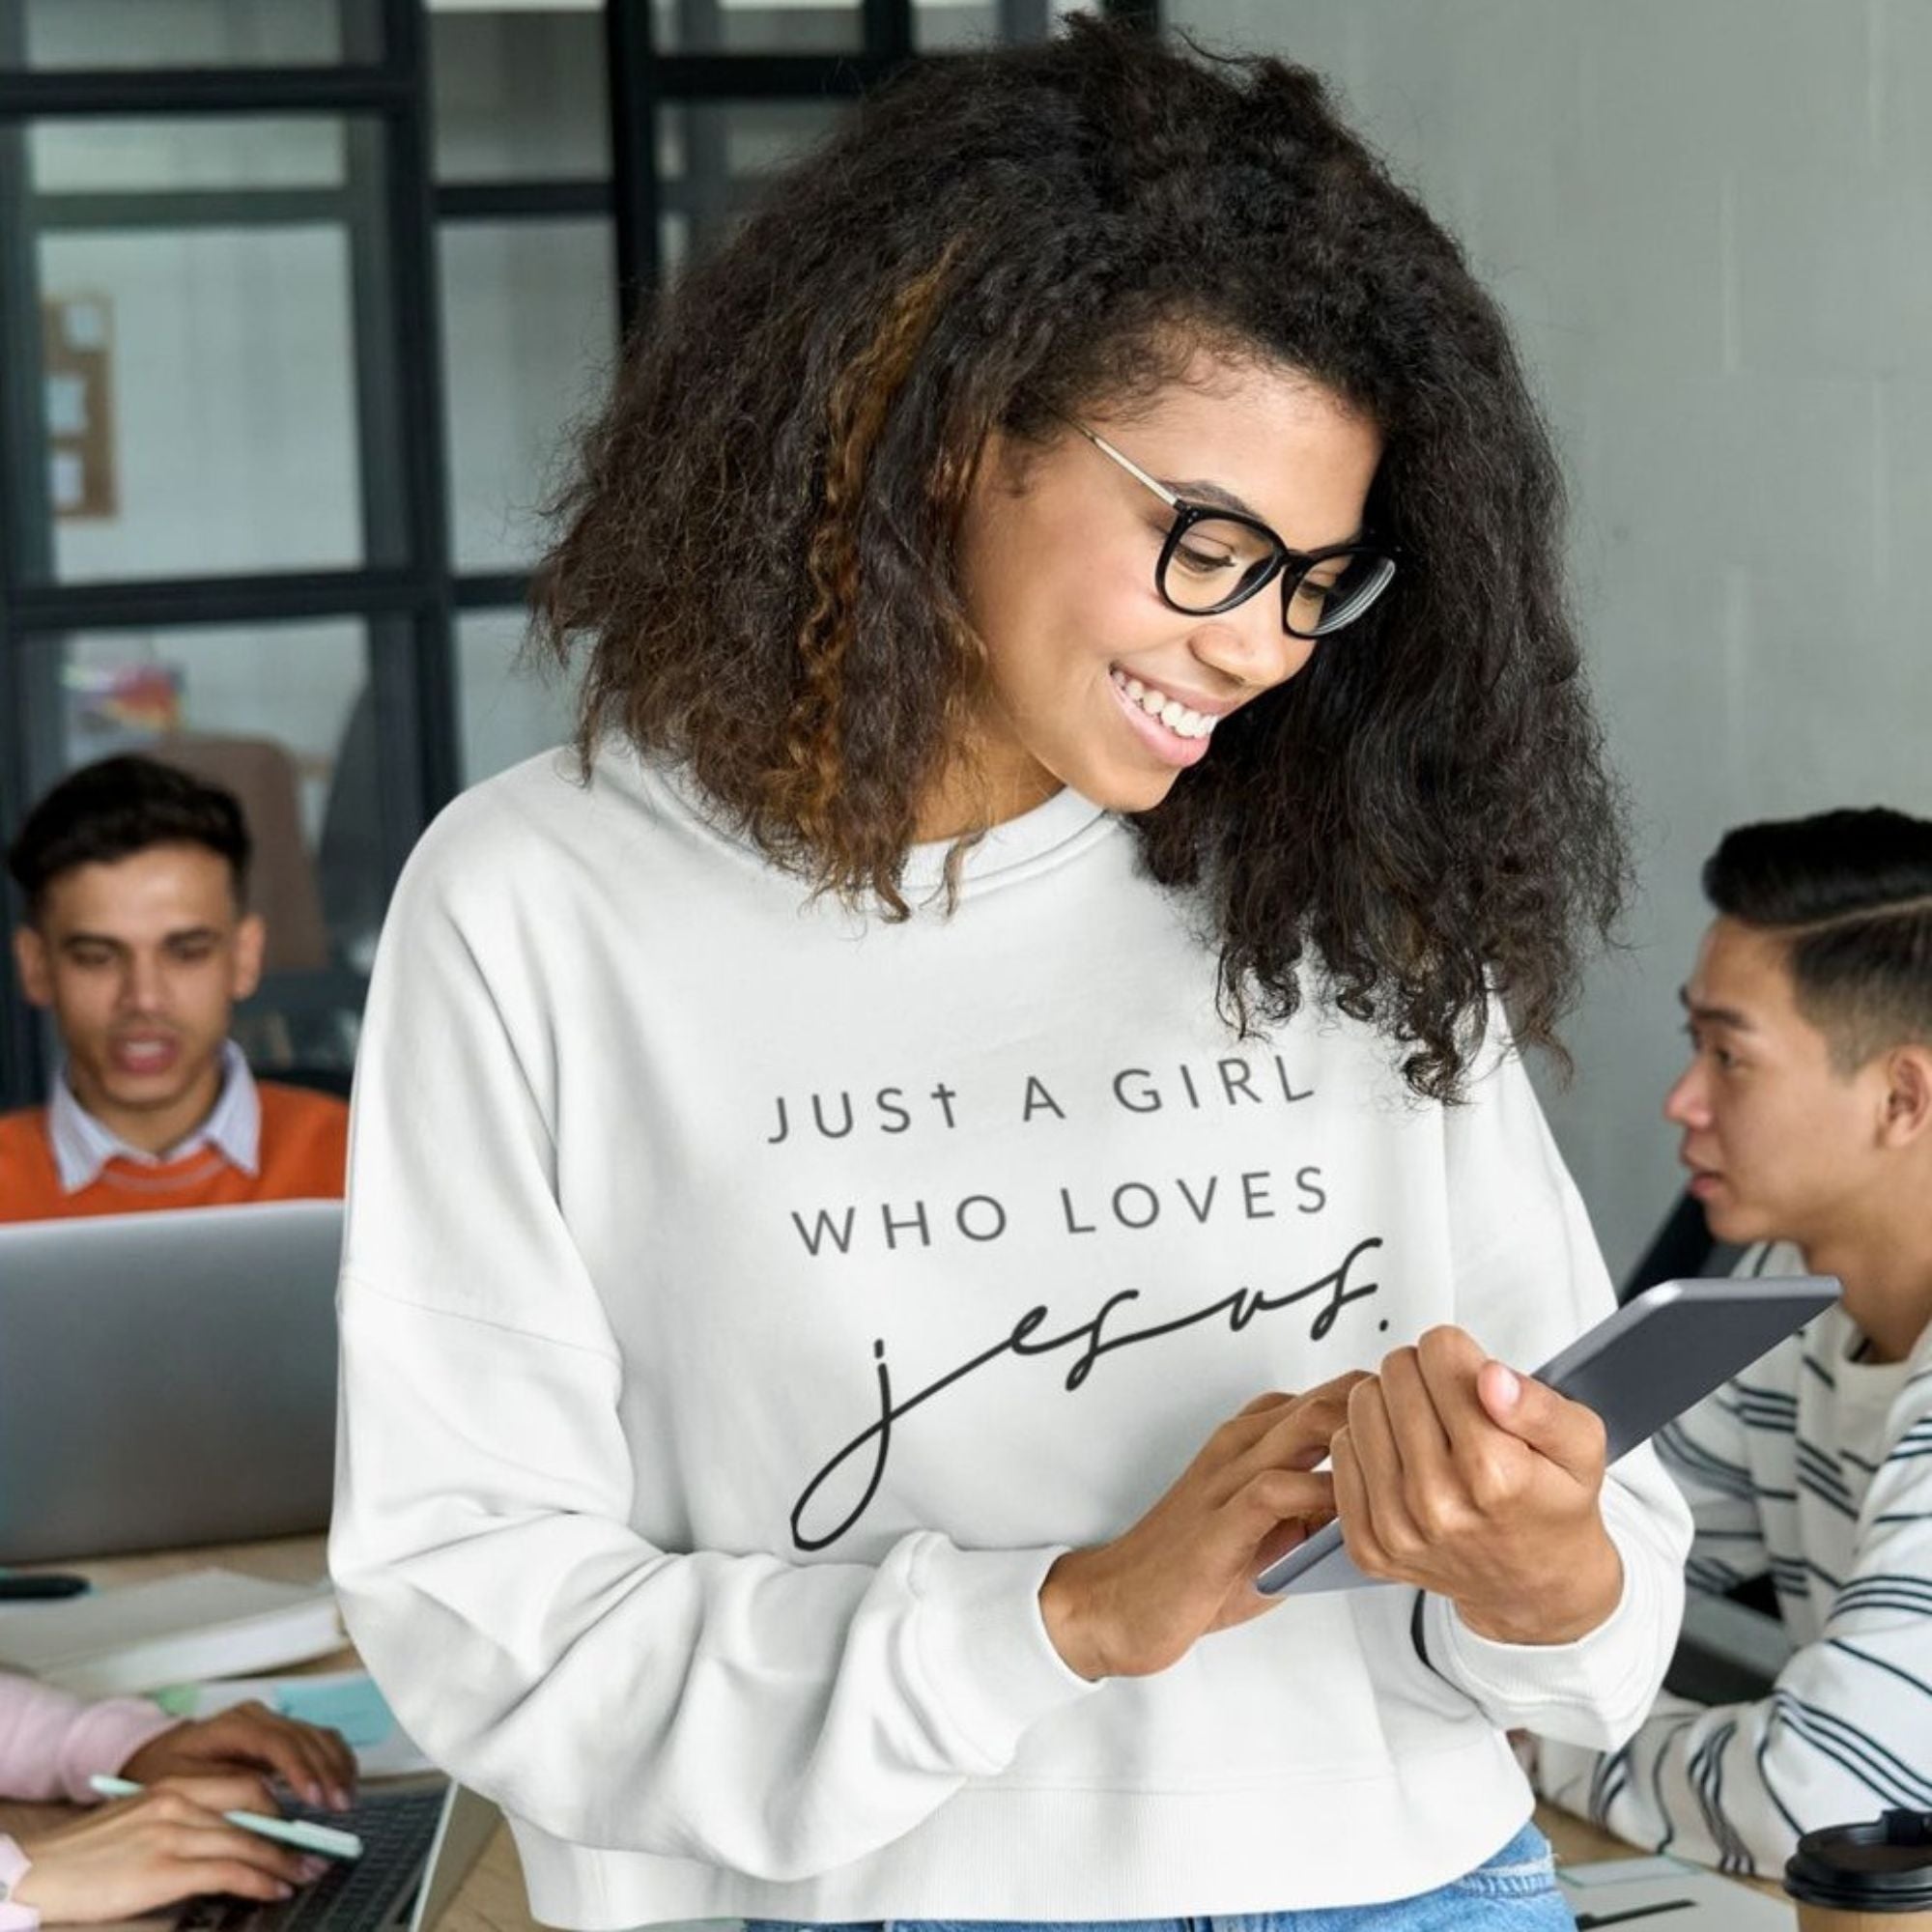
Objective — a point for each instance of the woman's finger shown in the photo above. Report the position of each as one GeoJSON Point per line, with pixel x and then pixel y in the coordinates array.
{"type": "Point", "coordinates": [1261, 1403]}
{"type": "Point", "coordinates": [218, 1791]}
{"type": "Point", "coordinates": [330, 1762]}
{"type": "Point", "coordinates": [1298, 1435]}
{"type": "Point", "coordinates": [1420, 1438]}
{"type": "Point", "coordinates": [1378, 1458]}
{"type": "Point", "coordinates": [1351, 1503]}
{"type": "Point", "coordinates": [209, 1837]}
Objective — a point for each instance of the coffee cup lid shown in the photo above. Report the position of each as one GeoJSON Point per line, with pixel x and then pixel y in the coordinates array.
{"type": "Point", "coordinates": [1883, 1865]}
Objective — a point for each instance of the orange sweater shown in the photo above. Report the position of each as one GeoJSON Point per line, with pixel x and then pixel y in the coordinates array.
{"type": "Point", "coordinates": [303, 1148]}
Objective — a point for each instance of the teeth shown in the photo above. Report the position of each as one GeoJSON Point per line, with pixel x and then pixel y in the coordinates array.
{"type": "Point", "coordinates": [1176, 715]}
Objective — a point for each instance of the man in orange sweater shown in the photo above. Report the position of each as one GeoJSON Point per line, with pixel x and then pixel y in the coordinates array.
{"type": "Point", "coordinates": [139, 941]}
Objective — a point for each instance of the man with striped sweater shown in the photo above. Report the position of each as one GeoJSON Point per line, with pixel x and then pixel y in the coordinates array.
{"type": "Point", "coordinates": [1807, 1117]}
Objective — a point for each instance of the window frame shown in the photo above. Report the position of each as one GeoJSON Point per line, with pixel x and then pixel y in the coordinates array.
{"type": "Point", "coordinates": [413, 602]}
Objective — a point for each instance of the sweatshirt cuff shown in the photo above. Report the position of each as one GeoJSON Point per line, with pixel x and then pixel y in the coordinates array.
{"type": "Point", "coordinates": [1593, 1690]}
{"type": "Point", "coordinates": [103, 1738]}
{"type": "Point", "coordinates": [983, 1644]}
{"type": "Point", "coordinates": [15, 1864]}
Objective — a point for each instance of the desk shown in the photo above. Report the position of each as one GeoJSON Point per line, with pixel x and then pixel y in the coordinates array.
{"type": "Point", "coordinates": [493, 1898]}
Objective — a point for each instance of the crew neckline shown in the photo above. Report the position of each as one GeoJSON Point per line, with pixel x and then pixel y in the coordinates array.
{"type": "Point", "coordinates": [1016, 846]}
{"type": "Point", "coordinates": [1007, 847]}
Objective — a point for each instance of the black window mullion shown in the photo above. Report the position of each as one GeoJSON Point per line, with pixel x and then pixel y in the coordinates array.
{"type": "Point", "coordinates": [523, 200]}
{"type": "Point", "coordinates": [630, 69]}
{"type": "Point", "coordinates": [265, 598]}
{"type": "Point", "coordinates": [22, 495]}
{"type": "Point", "coordinates": [67, 210]}
{"type": "Point", "coordinates": [889, 29]}
{"type": "Point", "coordinates": [492, 589]}
{"type": "Point", "coordinates": [42, 94]}
{"type": "Point", "coordinates": [416, 718]}
{"type": "Point", "coordinates": [30, 674]}
{"type": "Point", "coordinates": [768, 76]}
{"type": "Point", "coordinates": [26, 537]}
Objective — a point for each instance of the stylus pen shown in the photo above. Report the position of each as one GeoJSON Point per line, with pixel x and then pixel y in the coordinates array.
{"type": "Point", "coordinates": [48, 1583]}
{"type": "Point", "coordinates": [290, 1831]}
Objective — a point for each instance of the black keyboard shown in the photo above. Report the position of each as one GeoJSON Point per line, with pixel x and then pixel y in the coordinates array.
{"type": "Point", "coordinates": [362, 1894]}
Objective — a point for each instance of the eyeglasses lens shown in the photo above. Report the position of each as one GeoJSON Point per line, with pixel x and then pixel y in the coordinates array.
{"type": "Point", "coordinates": [1337, 590]}
{"type": "Point", "coordinates": [1217, 562]}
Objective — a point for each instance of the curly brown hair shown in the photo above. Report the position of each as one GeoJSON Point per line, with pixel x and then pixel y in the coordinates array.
{"type": "Point", "coordinates": [758, 549]}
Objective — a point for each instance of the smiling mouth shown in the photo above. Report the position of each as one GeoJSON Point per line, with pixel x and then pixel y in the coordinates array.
{"type": "Point", "coordinates": [1178, 717]}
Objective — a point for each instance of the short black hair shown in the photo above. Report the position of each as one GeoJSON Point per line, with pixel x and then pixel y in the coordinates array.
{"type": "Point", "coordinates": [117, 807]}
{"type": "Point", "coordinates": [1850, 892]}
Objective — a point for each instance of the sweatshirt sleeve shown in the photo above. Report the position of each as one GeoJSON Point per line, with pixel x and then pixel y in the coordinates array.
{"type": "Point", "coordinates": [776, 1718]}
{"type": "Point", "coordinates": [1530, 1279]}
{"type": "Point", "coordinates": [51, 1743]}
{"type": "Point", "coordinates": [1842, 1734]}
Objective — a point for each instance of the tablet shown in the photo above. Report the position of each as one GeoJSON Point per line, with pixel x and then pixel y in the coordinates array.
{"type": "Point", "coordinates": [1651, 1360]}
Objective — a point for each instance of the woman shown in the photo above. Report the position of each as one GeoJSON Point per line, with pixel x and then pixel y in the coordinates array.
{"type": "Point", "coordinates": [1081, 745]}
{"type": "Point", "coordinates": [171, 1842]}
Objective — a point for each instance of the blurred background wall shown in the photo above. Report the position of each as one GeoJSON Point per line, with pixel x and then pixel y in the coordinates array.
{"type": "Point", "coordinates": [1711, 222]}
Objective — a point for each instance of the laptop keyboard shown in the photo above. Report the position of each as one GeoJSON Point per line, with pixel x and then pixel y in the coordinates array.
{"type": "Point", "coordinates": [362, 1894]}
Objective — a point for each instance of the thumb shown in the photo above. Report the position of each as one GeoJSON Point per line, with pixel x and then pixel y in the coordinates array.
{"type": "Point", "coordinates": [1567, 1433]}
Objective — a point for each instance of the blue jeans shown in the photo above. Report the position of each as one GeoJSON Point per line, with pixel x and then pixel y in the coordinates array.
{"type": "Point", "coordinates": [1513, 1892]}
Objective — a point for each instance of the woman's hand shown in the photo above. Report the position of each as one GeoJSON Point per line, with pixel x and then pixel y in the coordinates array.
{"type": "Point", "coordinates": [168, 1844]}
{"type": "Point", "coordinates": [314, 1763]}
{"type": "Point", "coordinates": [1136, 1604]}
{"type": "Point", "coordinates": [1457, 1474]}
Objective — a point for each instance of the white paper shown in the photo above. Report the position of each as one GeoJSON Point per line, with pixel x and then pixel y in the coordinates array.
{"type": "Point", "coordinates": [1709, 1901]}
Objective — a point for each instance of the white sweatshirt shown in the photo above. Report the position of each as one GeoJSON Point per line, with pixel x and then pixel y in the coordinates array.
{"type": "Point", "coordinates": [1815, 1467]}
{"type": "Point", "coordinates": [746, 1301]}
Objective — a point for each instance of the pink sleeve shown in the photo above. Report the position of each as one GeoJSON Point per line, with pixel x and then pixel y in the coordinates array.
{"type": "Point", "coordinates": [13, 1862]}
{"type": "Point", "coordinates": [50, 1744]}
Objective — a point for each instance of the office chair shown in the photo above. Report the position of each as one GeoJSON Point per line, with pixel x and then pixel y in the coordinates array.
{"type": "Point", "coordinates": [306, 1013]}
{"type": "Point", "coordinates": [1682, 1246]}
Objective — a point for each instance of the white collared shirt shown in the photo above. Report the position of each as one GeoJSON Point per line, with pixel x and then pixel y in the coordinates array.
{"type": "Point", "coordinates": [83, 1144]}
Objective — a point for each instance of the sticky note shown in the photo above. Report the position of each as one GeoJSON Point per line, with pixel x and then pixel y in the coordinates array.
{"type": "Point", "coordinates": [355, 1708]}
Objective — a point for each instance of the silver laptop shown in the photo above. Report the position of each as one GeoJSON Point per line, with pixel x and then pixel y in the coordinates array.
{"type": "Point", "coordinates": [166, 1378]}
{"type": "Point", "coordinates": [418, 1845]}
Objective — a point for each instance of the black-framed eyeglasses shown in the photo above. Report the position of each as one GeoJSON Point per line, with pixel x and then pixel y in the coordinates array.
{"type": "Point", "coordinates": [1215, 558]}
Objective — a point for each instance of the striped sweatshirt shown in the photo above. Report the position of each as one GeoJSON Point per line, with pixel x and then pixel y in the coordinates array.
{"type": "Point", "coordinates": [1816, 1467]}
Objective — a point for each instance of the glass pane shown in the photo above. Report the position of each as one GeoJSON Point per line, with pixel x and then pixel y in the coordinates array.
{"type": "Point", "coordinates": [940, 25]}
{"type": "Point", "coordinates": [282, 715]}
{"type": "Point", "coordinates": [519, 93]}
{"type": "Point", "coordinates": [201, 383]}
{"type": "Point", "coordinates": [165, 156]}
{"type": "Point", "coordinates": [714, 157]}
{"type": "Point", "coordinates": [758, 26]}
{"type": "Point", "coordinates": [186, 33]}
{"type": "Point", "coordinates": [530, 330]}
{"type": "Point", "coordinates": [507, 709]}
